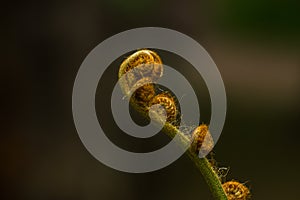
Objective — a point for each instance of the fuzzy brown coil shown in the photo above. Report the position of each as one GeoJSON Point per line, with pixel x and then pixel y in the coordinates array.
{"type": "Point", "coordinates": [150, 69]}
{"type": "Point", "coordinates": [166, 100]}
{"type": "Point", "coordinates": [148, 66]}
{"type": "Point", "coordinates": [236, 191]}
{"type": "Point", "coordinates": [202, 140]}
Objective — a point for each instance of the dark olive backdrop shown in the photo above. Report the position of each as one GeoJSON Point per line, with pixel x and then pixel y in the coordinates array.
{"type": "Point", "coordinates": [255, 44]}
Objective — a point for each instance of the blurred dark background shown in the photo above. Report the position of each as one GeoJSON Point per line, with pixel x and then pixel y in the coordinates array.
{"type": "Point", "coordinates": [255, 44]}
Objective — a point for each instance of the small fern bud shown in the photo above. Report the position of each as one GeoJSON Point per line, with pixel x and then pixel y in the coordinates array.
{"type": "Point", "coordinates": [202, 140]}
{"type": "Point", "coordinates": [236, 191]}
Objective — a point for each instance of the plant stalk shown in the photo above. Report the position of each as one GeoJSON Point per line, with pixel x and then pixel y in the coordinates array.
{"type": "Point", "coordinates": [202, 164]}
